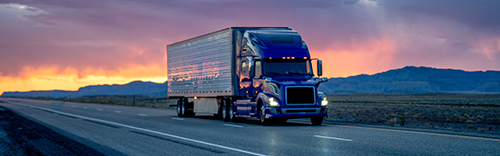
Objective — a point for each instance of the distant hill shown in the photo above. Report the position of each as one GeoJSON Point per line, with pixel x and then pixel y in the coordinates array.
{"type": "Point", "coordinates": [416, 80]}
{"type": "Point", "coordinates": [133, 88]}
{"type": "Point", "coordinates": [407, 80]}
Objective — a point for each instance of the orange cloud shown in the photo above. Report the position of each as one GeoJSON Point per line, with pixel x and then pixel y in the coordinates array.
{"type": "Point", "coordinates": [365, 58]}
{"type": "Point", "coordinates": [50, 78]}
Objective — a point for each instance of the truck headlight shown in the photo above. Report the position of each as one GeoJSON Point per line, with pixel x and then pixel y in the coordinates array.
{"type": "Point", "coordinates": [273, 102]}
{"type": "Point", "coordinates": [324, 102]}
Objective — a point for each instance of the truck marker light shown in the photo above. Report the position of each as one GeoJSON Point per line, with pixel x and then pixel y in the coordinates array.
{"type": "Point", "coordinates": [283, 57]}
{"type": "Point", "coordinates": [270, 58]}
{"type": "Point", "coordinates": [305, 58]}
{"type": "Point", "coordinates": [287, 57]}
{"type": "Point", "coordinates": [256, 91]}
{"type": "Point", "coordinates": [247, 91]}
{"type": "Point", "coordinates": [195, 97]}
{"type": "Point", "coordinates": [293, 57]}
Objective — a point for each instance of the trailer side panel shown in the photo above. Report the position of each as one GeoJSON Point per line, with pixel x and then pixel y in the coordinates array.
{"type": "Point", "coordinates": [201, 66]}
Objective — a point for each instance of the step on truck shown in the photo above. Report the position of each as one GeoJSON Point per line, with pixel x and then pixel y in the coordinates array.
{"type": "Point", "coordinates": [263, 73]}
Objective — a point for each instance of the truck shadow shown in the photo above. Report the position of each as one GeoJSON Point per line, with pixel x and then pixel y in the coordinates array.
{"type": "Point", "coordinates": [255, 121]}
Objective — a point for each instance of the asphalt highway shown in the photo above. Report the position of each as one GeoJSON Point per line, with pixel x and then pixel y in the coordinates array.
{"type": "Point", "coordinates": [125, 130]}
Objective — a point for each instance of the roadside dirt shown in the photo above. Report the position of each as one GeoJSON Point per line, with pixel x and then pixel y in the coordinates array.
{"type": "Point", "coordinates": [478, 113]}
{"type": "Point", "coordinates": [19, 136]}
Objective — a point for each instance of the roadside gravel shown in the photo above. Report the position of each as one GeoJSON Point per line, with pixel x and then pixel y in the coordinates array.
{"type": "Point", "coordinates": [19, 136]}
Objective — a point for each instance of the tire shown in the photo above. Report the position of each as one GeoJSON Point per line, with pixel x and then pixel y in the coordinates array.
{"type": "Point", "coordinates": [225, 111]}
{"type": "Point", "coordinates": [262, 116]}
{"type": "Point", "coordinates": [317, 120]}
{"type": "Point", "coordinates": [180, 106]}
{"type": "Point", "coordinates": [219, 112]}
{"type": "Point", "coordinates": [230, 111]}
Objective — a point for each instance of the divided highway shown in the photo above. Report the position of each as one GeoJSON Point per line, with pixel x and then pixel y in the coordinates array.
{"type": "Point", "coordinates": [124, 130]}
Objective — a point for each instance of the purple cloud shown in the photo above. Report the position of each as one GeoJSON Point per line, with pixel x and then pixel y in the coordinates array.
{"type": "Point", "coordinates": [111, 35]}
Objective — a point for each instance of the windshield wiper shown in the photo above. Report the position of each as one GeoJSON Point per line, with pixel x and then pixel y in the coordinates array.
{"type": "Point", "coordinates": [296, 73]}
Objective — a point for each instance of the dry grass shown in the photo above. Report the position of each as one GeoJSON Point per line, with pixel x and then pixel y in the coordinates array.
{"type": "Point", "coordinates": [442, 111]}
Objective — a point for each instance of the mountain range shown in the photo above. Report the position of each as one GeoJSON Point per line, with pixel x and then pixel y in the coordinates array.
{"type": "Point", "coordinates": [150, 89]}
{"type": "Point", "coordinates": [407, 80]}
{"type": "Point", "coordinates": [416, 80]}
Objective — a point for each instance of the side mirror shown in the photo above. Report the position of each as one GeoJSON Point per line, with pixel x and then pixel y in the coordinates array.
{"type": "Point", "coordinates": [320, 68]}
{"type": "Point", "coordinates": [324, 79]}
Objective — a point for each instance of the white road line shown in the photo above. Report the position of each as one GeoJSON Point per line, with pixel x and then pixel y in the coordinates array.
{"type": "Point", "coordinates": [178, 119]}
{"type": "Point", "coordinates": [84, 107]}
{"type": "Point", "coordinates": [73, 106]}
{"type": "Point", "coordinates": [145, 130]}
{"type": "Point", "coordinates": [99, 109]}
{"type": "Point", "coordinates": [142, 114]}
{"type": "Point", "coordinates": [233, 125]}
{"type": "Point", "coordinates": [118, 111]}
{"type": "Point", "coordinates": [334, 138]}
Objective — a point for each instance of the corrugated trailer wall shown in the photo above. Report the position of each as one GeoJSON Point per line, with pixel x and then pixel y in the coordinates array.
{"type": "Point", "coordinates": [201, 66]}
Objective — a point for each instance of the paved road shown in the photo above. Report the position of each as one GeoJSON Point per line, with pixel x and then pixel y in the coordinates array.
{"type": "Point", "coordinates": [123, 130]}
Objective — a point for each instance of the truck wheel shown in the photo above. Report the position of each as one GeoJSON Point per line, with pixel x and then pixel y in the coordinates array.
{"type": "Point", "coordinates": [317, 120]}
{"type": "Point", "coordinates": [225, 111]}
{"type": "Point", "coordinates": [262, 115]}
{"type": "Point", "coordinates": [180, 108]}
{"type": "Point", "coordinates": [230, 110]}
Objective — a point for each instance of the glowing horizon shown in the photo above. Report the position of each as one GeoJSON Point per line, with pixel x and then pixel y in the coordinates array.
{"type": "Point", "coordinates": [67, 45]}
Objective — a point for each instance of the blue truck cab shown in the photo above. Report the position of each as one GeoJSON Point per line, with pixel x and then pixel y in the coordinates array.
{"type": "Point", "coordinates": [268, 71]}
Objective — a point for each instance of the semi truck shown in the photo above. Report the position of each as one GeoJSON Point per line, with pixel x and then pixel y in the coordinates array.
{"type": "Point", "coordinates": [262, 73]}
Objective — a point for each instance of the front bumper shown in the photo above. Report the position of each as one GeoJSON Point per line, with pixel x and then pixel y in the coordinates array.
{"type": "Point", "coordinates": [306, 112]}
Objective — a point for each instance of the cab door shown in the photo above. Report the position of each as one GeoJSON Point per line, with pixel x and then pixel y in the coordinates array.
{"type": "Point", "coordinates": [245, 88]}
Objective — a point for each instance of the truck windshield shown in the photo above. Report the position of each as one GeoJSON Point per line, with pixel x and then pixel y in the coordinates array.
{"type": "Point", "coordinates": [284, 67]}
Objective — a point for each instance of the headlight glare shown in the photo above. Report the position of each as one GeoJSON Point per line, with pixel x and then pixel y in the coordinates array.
{"type": "Point", "coordinates": [273, 102]}
{"type": "Point", "coordinates": [324, 102]}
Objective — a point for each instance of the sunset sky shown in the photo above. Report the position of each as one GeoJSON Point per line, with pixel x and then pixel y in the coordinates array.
{"type": "Point", "coordinates": [51, 44]}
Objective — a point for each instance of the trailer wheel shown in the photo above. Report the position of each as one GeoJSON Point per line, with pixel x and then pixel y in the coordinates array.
{"type": "Point", "coordinates": [317, 120]}
{"type": "Point", "coordinates": [219, 111]}
{"type": "Point", "coordinates": [180, 108]}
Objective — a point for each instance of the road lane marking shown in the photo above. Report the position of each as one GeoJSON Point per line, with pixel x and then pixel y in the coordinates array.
{"type": "Point", "coordinates": [143, 129]}
{"type": "Point", "coordinates": [407, 131]}
{"type": "Point", "coordinates": [178, 119]}
{"type": "Point", "coordinates": [233, 125]}
{"type": "Point", "coordinates": [73, 106]}
{"type": "Point", "coordinates": [334, 138]}
{"type": "Point", "coordinates": [142, 114]}
{"type": "Point", "coordinates": [99, 109]}
{"type": "Point", "coordinates": [118, 111]}
{"type": "Point", "coordinates": [427, 133]}
{"type": "Point", "coordinates": [84, 107]}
